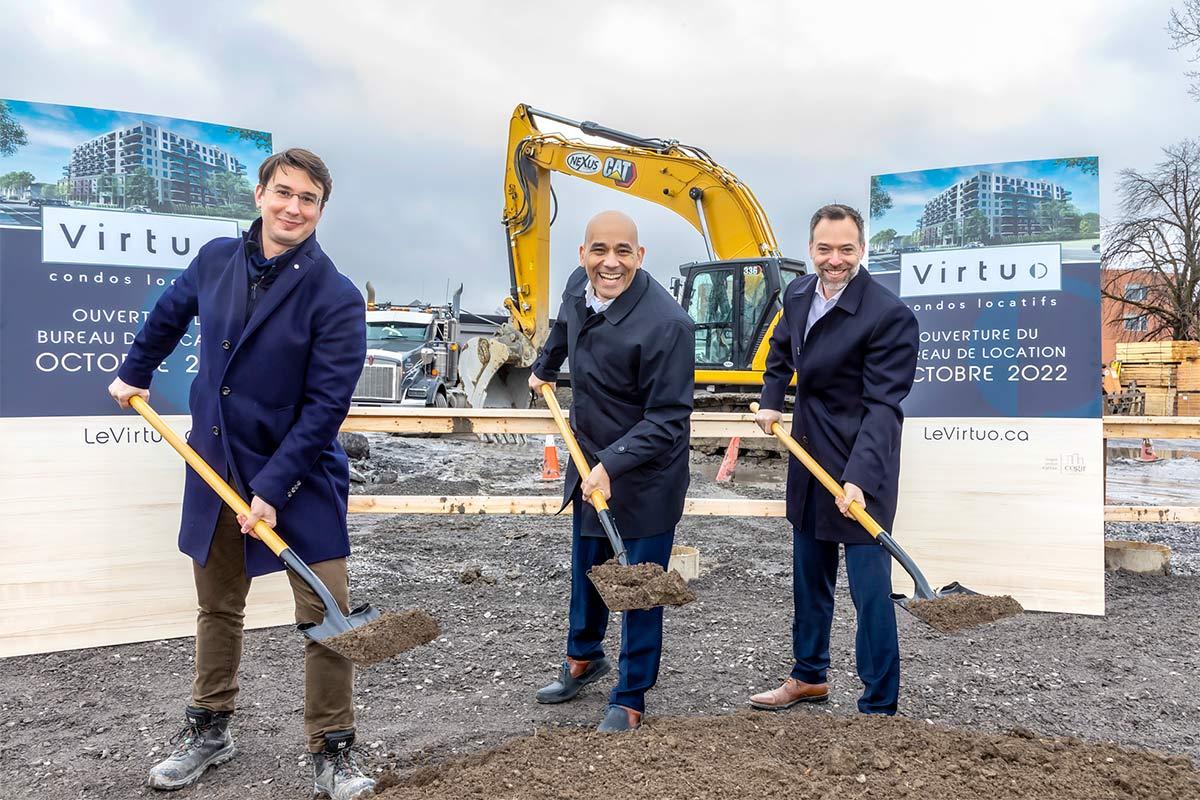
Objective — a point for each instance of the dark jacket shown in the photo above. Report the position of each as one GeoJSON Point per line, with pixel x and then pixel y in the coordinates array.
{"type": "Point", "coordinates": [270, 393]}
{"type": "Point", "coordinates": [858, 363]}
{"type": "Point", "coordinates": [632, 376]}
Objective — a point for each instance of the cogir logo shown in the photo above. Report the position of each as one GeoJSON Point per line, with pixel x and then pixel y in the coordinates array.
{"type": "Point", "coordinates": [583, 163]}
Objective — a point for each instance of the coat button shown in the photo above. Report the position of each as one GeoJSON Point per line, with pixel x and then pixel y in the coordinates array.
{"type": "Point", "coordinates": [225, 345]}
{"type": "Point", "coordinates": [216, 431]}
{"type": "Point", "coordinates": [803, 440]}
{"type": "Point", "coordinates": [225, 391]}
{"type": "Point", "coordinates": [620, 448]}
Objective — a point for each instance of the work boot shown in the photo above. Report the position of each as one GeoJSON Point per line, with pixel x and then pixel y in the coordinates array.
{"type": "Point", "coordinates": [572, 678]}
{"type": "Point", "coordinates": [335, 775]}
{"type": "Point", "coordinates": [618, 719]}
{"type": "Point", "coordinates": [789, 694]}
{"type": "Point", "coordinates": [204, 742]}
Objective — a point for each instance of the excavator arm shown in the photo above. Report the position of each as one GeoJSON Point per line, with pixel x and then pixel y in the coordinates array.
{"type": "Point", "coordinates": [679, 177]}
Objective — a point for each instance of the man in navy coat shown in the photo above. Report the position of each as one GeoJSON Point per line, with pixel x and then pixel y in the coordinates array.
{"type": "Point", "coordinates": [282, 345]}
{"type": "Point", "coordinates": [852, 346]}
{"type": "Point", "coordinates": [632, 354]}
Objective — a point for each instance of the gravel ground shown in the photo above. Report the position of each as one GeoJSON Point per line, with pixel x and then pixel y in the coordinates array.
{"type": "Point", "coordinates": [88, 723]}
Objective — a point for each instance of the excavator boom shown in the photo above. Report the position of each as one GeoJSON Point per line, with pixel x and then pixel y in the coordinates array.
{"type": "Point", "coordinates": [682, 178]}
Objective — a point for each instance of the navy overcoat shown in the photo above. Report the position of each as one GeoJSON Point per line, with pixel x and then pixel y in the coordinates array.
{"type": "Point", "coordinates": [858, 363]}
{"type": "Point", "coordinates": [632, 378]}
{"type": "Point", "coordinates": [269, 395]}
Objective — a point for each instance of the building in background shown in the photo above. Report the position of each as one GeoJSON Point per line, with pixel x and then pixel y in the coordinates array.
{"type": "Point", "coordinates": [1120, 322]}
{"type": "Point", "coordinates": [151, 165]}
{"type": "Point", "coordinates": [989, 206]}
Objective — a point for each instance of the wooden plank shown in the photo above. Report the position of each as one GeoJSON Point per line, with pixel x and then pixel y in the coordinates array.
{"type": "Point", "coordinates": [543, 505]}
{"type": "Point", "coordinates": [1152, 513]}
{"type": "Point", "coordinates": [546, 505]}
{"type": "Point", "coordinates": [1187, 377]}
{"type": "Point", "coordinates": [1152, 427]}
{"type": "Point", "coordinates": [1164, 375]}
{"type": "Point", "coordinates": [704, 423]}
{"type": "Point", "coordinates": [1187, 404]}
{"type": "Point", "coordinates": [89, 539]}
{"type": "Point", "coordinates": [1151, 352]}
{"type": "Point", "coordinates": [718, 424]}
{"type": "Point", "coordinates": [1160, 402]}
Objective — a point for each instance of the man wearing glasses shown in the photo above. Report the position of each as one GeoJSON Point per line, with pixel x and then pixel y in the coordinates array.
{"type": "Point", "coordinates": [284, 337]}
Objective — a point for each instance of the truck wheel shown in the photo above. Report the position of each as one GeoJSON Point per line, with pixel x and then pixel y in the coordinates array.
{"type": "Point", "coordinates": [440, 401]}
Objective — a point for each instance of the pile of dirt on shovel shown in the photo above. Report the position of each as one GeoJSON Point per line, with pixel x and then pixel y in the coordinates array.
{"type": "Point", "coordinates": [957, 611]}
{"type": "Point", "coordinates": [390, 634]}
{"type": "Point", "coordinates": [799, 755]}
{"type": "Point", "coordinates": [624, 588]}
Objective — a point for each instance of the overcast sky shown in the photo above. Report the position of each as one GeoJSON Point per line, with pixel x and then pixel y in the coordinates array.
{"type": "Point", "coordinates": [409, 102]}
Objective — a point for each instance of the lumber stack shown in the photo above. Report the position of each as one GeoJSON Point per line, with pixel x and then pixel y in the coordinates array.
{"type": "Point", "coordinates": [1167, 372]}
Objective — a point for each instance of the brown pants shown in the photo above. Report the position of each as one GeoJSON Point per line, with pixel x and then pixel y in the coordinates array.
{"type": "Point", "coordinates": [221, 588]}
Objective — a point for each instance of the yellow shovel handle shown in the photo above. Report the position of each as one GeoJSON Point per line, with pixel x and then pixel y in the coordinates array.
{"type": "Point", "coordinates": [573, 446]}
{"type": "Point", "coordinates": [232, 498]}
{"type": "Point", "coordinates": [859, 513]}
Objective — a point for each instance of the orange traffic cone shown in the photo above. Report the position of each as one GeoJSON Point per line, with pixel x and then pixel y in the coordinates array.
{"type": "Point", "coordinates": [729, 462]}
{"type": "Point", "coordinates": [550, 470]}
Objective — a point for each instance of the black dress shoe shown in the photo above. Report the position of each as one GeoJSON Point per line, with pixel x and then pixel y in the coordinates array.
{"type": "Point", "coordinates": [566, 687]}
{"type": "Point", "coordinates": [618, 719]}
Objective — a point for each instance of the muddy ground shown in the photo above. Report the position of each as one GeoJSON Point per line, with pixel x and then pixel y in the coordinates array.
{"type": "Point", "coordinates": [89, 723]}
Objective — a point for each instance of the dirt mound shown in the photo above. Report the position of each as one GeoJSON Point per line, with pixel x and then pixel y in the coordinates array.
{"type": "Point", "coordinates": [800, 755]}
{"type": "Point", "coordinates": [957, 611]}
{"type": "Point", "coordinates": [639, 586]}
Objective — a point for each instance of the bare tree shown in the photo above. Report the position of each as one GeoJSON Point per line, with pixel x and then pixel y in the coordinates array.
{"type": "Point", "coordinates": [1184, 30]}
{"type": "Point", "coordinates": [1155, 244]}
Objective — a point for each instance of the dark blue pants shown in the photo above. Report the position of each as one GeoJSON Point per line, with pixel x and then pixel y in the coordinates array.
{"type": "Point", "coordinates": [877, 649]}
{"type": "Point", "coordinates": [641, 631]}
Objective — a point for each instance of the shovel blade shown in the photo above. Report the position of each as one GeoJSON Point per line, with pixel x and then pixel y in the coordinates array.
{"type": "Point", "coordinates": [335, 623]}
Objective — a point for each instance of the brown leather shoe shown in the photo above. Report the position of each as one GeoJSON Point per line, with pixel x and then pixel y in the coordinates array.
{"type": "Point", "coordinates": [791, 692]}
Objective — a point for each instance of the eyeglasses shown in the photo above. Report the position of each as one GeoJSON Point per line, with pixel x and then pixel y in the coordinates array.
{"type": "Point", "coordinates": [308, 201]}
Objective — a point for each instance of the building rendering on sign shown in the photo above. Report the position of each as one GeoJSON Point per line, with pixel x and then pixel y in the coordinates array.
{"type": "Point", "coordinates": [147, 162]}
{"type": "Point", "coordinates": [991, 205]}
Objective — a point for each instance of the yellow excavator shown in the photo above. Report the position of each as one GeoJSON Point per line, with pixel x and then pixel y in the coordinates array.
{"type": "Point", "coordinates": [733, 296]}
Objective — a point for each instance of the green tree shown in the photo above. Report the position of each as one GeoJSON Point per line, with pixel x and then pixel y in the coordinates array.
{"type": "Point", "coordinates": [948, 232]}
{"type": "Point", "coordinates": [883, 238]}
{"type": "Point", "coordinates": [260, 139]}
{"type": "Point", "coordinates": [975, 226]}
{"type": "Point", "coordinates": [140, 188]}
{"type": "Point", "coordinates": [18, 181]}
{"type": "Point", "coordinates": [1089, 225]}
{"type": "Point", "coordinates": [230, 188]}
{"type": "Point", "coordinates": [1059, 215]}
{"type": "Point", "coordinates": [12, 135]}
{"type": "Point", "coordinates": [1089, 165]}
{"type": "Point", "coordinates": [51, 191]}
{"type": "Point", "coordinates": [106, 187]}
{"type": "Point", "coordinates": [881, 201]}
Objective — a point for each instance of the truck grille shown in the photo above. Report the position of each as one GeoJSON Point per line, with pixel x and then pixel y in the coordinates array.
{"type": "Point", "coordinates": [376, 383]}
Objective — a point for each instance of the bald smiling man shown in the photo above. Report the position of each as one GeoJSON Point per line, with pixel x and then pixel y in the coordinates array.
{"type": "Point", "coordinates": [632, 354]}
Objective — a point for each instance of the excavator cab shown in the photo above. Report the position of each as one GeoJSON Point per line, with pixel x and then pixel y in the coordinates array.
{"type": "Point", "coordinates": [734, 304]}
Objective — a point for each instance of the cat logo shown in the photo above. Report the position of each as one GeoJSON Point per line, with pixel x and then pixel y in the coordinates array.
{"type": "Point", "coordinates": [623, 172]}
